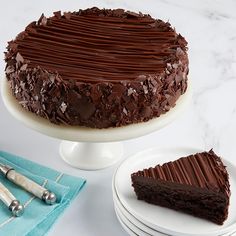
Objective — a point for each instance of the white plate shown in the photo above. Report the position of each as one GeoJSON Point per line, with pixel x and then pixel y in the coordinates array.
{"type": "Point", "coordinates": [125, 227]}
{"type": "Point", "coordinates": [128, 224]}
{"type": "Point", "coordinates": [131, 218]}
{"type": "Point", "coordinates": [163, 219]}
{"type": "Point", "coordinates": [136, 230]}
{"type": "Point", "coordinates": [143, 228]}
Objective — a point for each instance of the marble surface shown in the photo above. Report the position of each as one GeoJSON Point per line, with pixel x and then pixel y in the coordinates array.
{"type": "Point", "coordinates": [210, 121]}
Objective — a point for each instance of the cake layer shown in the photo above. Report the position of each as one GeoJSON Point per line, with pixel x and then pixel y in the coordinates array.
{"type": "Point", "coordinates": [98, 68]}
{"type": "Point", "coordinates": [203, 203]}
{"type": "Point", "coordinates": [197, 184]}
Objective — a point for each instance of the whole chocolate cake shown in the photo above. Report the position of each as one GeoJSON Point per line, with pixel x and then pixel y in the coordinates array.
{"type": "Point", "coordinates": [197, 184]}
{"type": "Point", "coordinates": [97, 67]}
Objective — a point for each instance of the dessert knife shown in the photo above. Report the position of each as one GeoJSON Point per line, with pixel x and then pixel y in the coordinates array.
{"type": "Point", "coordinates": [10, 201]}
{"type": "Point", "coordinates": [27, 184]}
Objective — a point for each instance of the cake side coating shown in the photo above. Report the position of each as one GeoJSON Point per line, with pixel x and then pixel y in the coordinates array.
{"type": "Point", "coordinates": [97, 68]}
{"type": "Point", "coordinates": [197, 185]}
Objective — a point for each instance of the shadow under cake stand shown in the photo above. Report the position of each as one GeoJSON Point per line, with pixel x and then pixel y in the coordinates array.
{"type": "Point", "coordinates": [90, 148]}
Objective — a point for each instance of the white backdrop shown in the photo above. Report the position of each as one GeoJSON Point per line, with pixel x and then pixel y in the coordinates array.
{"type": "Point", "coordinates": [210, 121]}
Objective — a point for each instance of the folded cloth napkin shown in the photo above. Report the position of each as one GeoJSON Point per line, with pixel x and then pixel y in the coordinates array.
{"type": "Point", "coordinates": [38, 217]}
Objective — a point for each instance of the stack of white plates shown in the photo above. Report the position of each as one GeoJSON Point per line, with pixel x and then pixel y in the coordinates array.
{"type": "Point", "coordinates": [140, 218]}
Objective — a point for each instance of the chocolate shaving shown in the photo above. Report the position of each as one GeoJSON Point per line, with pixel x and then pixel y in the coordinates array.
{"type": "Point", "coordinates": [42, 20]}
{"type": "Point", "coordinates": [57, 14]}
{"type": "Point", "coordinates": [19, 58]}
{"type": "Point", "coordinates": [67, 15]}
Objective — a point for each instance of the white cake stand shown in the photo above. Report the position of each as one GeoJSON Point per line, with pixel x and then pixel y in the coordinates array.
{"type": "Point", "coordinates": [88, 148]}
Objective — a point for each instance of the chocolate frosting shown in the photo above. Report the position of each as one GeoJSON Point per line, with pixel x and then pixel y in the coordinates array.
{"type": "Point", "coordinates": [97, 68]}
{"type": "Point", "coordinates": [203, 170]}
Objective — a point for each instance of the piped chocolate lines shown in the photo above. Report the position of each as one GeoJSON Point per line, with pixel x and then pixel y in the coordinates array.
{"type": "Point", "coordinates": [202, 170]}
{"type": "Point", "coordinates": [113, 48]}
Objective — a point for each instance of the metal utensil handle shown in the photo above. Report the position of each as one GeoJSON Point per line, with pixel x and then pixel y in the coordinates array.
{"type": "Point", "coordinates": [10, 201]}
{"type": "Point", "coordinates": [26, 183]}
{"type": "Point", "coordinates": [5, 195]}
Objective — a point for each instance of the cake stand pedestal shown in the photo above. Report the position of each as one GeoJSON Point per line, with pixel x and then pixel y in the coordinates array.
{"type": "Point", "coordinates": [89, 148]}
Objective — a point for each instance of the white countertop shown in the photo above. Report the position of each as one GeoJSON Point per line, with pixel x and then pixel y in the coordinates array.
{"type": "Point", "coordinates": [210, 121]}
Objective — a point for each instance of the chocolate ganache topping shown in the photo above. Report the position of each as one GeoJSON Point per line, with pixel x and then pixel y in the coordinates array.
{"type": "Point", "coordinates": [97, 68]}
{"type": "Point", "coordinates": [203, 170]}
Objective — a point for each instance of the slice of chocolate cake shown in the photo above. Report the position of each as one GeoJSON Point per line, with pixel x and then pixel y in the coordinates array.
{"type": "Point", "coordinates": [197, 184]}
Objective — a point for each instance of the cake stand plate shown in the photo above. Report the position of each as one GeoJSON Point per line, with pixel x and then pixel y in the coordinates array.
{"type": "Point", "coordinates": [90, 148]}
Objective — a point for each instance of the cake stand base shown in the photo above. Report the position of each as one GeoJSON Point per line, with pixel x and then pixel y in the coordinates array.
{"type": "Point", "coordinates": [91, 156]}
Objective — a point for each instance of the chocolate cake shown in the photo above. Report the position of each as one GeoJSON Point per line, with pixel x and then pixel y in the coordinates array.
{"type": "Point", "coordinates": [97, 67]}
{"type": "Point", "coordinates": [197, 184]}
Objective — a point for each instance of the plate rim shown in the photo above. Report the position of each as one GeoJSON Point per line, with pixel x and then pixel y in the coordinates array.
{"type": "Point", "coordinates": [119, 215]}
{"type": "Point", "coordinates": [117, 203]}
{"type": "Point", "coordinates": [124, 226]}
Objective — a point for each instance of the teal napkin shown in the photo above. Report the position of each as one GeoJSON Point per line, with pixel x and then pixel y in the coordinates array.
{"type": "Point", "coordinates": [38, 217]}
